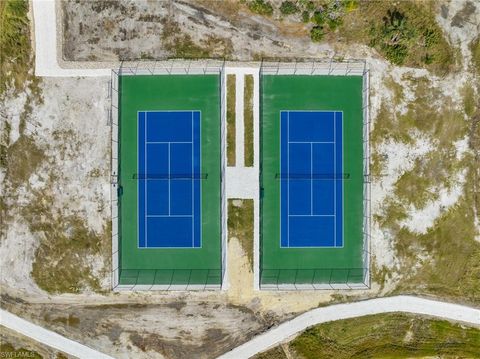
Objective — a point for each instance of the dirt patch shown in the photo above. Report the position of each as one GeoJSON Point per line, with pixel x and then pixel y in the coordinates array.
{"type": "Point", "coordinates": [240, 226]}
{"type": "Point", "coordinates": [200, 329]}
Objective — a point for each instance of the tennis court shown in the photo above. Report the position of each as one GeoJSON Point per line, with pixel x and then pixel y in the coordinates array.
{"type": "Point", "coordinates": [170, 232]}
{"type": "Point", "coordinates": [311, 179]}
{"type": "Point", "coordinates": [169, 179]}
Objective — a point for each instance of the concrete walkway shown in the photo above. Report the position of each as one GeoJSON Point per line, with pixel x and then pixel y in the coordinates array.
{"type": "Point", "coordinates": [48, 337]}
{"type": "Point", "coordinates": [406, 304]}
{"type": "Point", "coordinates": [46, 44]}
{"type": "Point", "coordinates": [243, 182]}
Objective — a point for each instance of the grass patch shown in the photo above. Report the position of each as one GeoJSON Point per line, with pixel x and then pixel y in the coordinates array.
{"type": "Point", "coordinates": [468, 94]}
{"type": "Point", "coordinates": [231, 154]}
{"type": "Point", "coordinates": [8, 350]}
{"type": "Point", "coordinates": [275, 353]}
{"type": "Point", "coordinates": [260, 7]}
{"type": "Point", "coordinates": [240, 225]}
{"type": "Point", "coordinates": [61, 263]}
{"type": "Point", "coordinates": [384, 335]}
{"type": "Point", "coordinates": [23, 158]}
{"type": "Point", "coordinates": [454, 270]}
{"type": "Point", "coordinates": [181, 45]}
{"type": "Point", "coordinates": [15, 49]}
{"type": "Point", "coordinates": [475, 49]}
{"type": "Point", "coordinates": [288, 8]}
{"type": "Point", "coordinates": [248, 121]}
{"type": "Point", "coordinates": [404, 32]}
{"type": "Point", "coordinates": [445, 261]}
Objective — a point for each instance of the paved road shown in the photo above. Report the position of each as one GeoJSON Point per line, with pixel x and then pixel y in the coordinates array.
{"type": "Point", "coordinates": [276, 335]}
{"type": "Point", "coordinates": [405, 304]}
{"type": "Point", "coordinates": [48, 337]}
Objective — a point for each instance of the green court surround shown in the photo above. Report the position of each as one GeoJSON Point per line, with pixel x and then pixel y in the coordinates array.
{"type": "Point", "coordinates": [311, 265]}
{"type": "Point", "coordinates": [170, 266]}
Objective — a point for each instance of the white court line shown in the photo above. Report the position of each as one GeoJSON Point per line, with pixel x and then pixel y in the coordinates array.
{"type": "Point", "coordinates": [288, 180]}
{"type": "Point", "coordinates": [311, 215]}
{"type": "Point", "coordinates": [311, 179]}
{"type": "Point", "coordinates": [311, 176]}
{"type": "Point", "coordinates": [146, 181]}
{"type": "Point", "coordinates": [311, 142]}
{"type": "Point", "coordinates": [334, 178]}
{"type": "Point", "coordinates": [169, 143]}
{"type": "Point", "coordinates": [166, 142]}
{"type": "Point", "coordinates": [193, 192]}
{"type": "Point", "coordinates": [169, 178]}
{"type": "Point", "coordinates": [169, 215]}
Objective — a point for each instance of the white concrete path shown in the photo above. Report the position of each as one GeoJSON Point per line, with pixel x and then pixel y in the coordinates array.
{"type": "Point", "coordinates": [48, 337]}
{"type": "Point", "coordinates": [46, 60]}
{"type": "Point", "coordinates": [404, 304]}
{"type": "Point", "coordinates": [243, 182]}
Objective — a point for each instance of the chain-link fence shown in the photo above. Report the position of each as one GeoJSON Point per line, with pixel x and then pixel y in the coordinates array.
{"type": "Point", "coordinates": [324, 278]}
{"type": "Point", "coordinates": [314, 279]}
{"type": "Point", "coordinates": [170, 279]}
{"type": "Point", "coordinates": [160, 279]}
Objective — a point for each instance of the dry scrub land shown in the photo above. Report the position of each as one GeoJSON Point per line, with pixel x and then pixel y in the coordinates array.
{"type": "Point", "coordinates": [424, 60]}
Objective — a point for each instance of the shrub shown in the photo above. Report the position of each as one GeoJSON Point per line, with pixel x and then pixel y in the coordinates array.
{"type": "Point", "coordinates": [316, 33]}
{"type": "Point", "coordinates": [319, 17]}
{"type": "Point", "coordinates": [307, 4]}
{"type": "Point", "coordinates": [261, 7]}
{"type": "Point", "coordinates": [393, 37]}
{"type": "Point", "coordinates": [334, 22]}
{"type": "Point", "coordinates": [288, 8]}
{"type": "Point", "coordinates": [305, 16]}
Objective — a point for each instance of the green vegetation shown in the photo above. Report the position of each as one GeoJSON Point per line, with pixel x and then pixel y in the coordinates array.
{"type": "Point", "coordinates": [23, 158]}
{"type": "Point", "coordinates": [305, 16]}
{"type": "Point", "coordinates": [240, 225]}
{"type": "Point", "coordinates": [15, 49]}
{"type": "Point", "coordinates": [410, 35]}
{"type": "Point", "coordinates": [61, 262]}
{"type": "Point", "coordinates": [231, 154]}
{"type": "Point", "coordinates": [7, 350]}
{"type": "Point", "coordinates": [275, 353]}
{"type": "Point", "coordinates": [468, 100]}
{"type": "Point", "coordinates": [383, 336]}
{"type": "Point", "coordinates": [316, 33]}
{"type": "Point", "coordinates": [288, 8]}
{"type": "Point", "coordinates": [261, 7]}
{"type": "Point", "coordinates": [248, 121]}
{"type": "Point", "coordinates": [404, 32]}
{"type": "Point", "coordinates": [475, 48]}
{"type": "Point", "coordinates": [451, 268]}
{"type": "Point", "coordinates": [181, 45]}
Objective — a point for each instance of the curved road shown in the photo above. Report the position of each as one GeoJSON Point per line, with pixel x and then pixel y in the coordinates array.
{"type": "Point", "coordinates": [404, 304]}
{"type": "Point", "coordinates": [48, 337]}
{"type": "Point", "coordinates": [278, 334]}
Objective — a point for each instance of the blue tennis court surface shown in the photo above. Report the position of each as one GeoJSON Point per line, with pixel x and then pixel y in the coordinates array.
{"type": "Point", "coordinates": [169, 179]}
{"type": "Point", "coordinates": [311, 178]}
